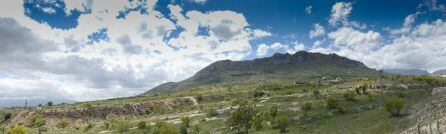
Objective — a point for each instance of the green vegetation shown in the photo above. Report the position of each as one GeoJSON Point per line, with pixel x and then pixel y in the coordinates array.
{"type": "Point", "coordinates": [282, 124]}
{"type": "Point", "coordinates": [50, 103]}
{"type": "Point", "coordinates": [120, 125]}
{"type": "Point", "coordinates": [306, 107]}
{"type": "Point", "coordinates": [349, 96]}
{"type": "Point", "coordinates": [63, 123]}
{"type": "Point", "coordinates": [394, 106]}
{"type": "Point", "coordinates": [17, 129]}
{"type": "Point", "coordinates": [242, 118]}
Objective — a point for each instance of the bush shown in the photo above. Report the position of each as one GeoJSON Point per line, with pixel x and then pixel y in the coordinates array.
{"type": "Point", "coordinates": [212, 112]}
{"type": "Point", "coordinates": [185, 121]}
{"type": "Point", "coordinates": [394, 106]}
{"type": "Point", "coordinates": [401, 94]}
{"type": "Point", "coordinates": [317, 94]}
{"type": "Point", "coordinates": [271, 113]}
{"type": "Point", "coordinates": [306, 106]}
{"type": "Point", "coordinates": [6, 117]}
{"type": "Point", "coordinates": [257, 122]}
{"type": "Point", "coordinates": [282, 124]}
{"type": "Point", "coordinates": [106, 125]}
{"type": "Point", "coordinates": [183, 129]}
{"type": "Point", "coordinates": [142, 124]}
{"type": "Point", "coordinates": [331, 103]}
{"type": "Point", "coordinates": [37, 121]}
{"type": "Point", "coordinates": [120, 125]}
{"type": "Point", "coordinates": [63, 123]}
{"type": "Point", "coordinates": [164, 128]}
{"type": "Point", "coordinates": [371, 96]}
{"type": "Point", "coordinates": [17, 129]}
{"type": "Point", "coordinates": [349, 96]}
{"type": "Point", "coordinates": [89, 127]}
{"type": "Point", "coordinates": [258, 94]}
{"type": "Point", "coordinates": [242, 117]}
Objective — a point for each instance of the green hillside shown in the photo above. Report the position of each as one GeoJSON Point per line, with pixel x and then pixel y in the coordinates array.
{"type": "Point", "coordinates": [280, 68]}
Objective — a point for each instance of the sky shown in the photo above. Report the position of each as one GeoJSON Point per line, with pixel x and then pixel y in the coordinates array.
{"type": "Point", "coordinates": [80, 50]}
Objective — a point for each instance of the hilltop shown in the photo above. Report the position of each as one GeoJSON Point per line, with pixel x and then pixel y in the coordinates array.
{"type": "Point", "coordinates": [279, 68]}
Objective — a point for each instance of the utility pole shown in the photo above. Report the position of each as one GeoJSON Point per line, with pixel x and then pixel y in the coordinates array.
{"type": "Point", "coordinates": [381, 86]}
{"type": "Point", "coordinates": [26, 103]}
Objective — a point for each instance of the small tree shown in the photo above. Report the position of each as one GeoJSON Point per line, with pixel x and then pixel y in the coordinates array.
{"type": "Point", "coordinates": [17, 129]}
{"type": "Point", "coordinates": [306, 106]}
{"type": "Point", "coordinates": [282, 124]}
{"type": "Point", "coordinates": [271, 113]}
{"type": "Point", "coordinates": [50, 103]}
{"type": "Point", "coordinates": [6, 117]}
{"type": "Point", "coordinates": [243, 116]}
{"type": "Point", "coordinates": [37, 121]}
{"type": "Point", "coordinates": [394, 106]}
{"type": "Point", "coordinates": [212, 112]}
{"type": "Point", "coordinates": [185, 121]}
{"type": "Point", "coordinates": [331, 103]}
{"type": "Point", "coordinates": [63, 123]}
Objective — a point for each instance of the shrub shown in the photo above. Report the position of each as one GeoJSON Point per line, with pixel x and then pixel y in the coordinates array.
{"type": "Point", "coordinates": [212, 112]}
{"type": "Point", "coordinates": [37, 121]}
{"type": "Point", "coordinates": [331, 103]}
{"type": "Point", "coordinates": [317, 94]}
{"type": "Point", "coordinates": [185, 121]}
{"type": "Point", "coordinates": [257, 122]}
{"type": "Point", "coordinates": [349, 96]}
{"type": "Point", "coordinates": [63, 123]}
{"type": "Point", "coordinates": [183, 129]}
{"type": "Point", "coordinates": [142, 124]}
{"type": "Point", "coordinates": [89, 127]}
{"type": "Point", "coordinates": [6, 117]}
{"type": "Point", "coordinates": [258, 94]}
{"type": "Point", "coordinates": [271, 113]}
{"type": "Point", "coordinates": [306, 106]}
{"type": "Point", "coordinates": [282, 124]}
{"type": "Point", "coordinates": [17, 129]}
{"type": "Point", "coordinates": [106, 125]}
{"type": "Point", "coordinates": [394, 106]}
{"type": "Point", "coordinates": [371, 96]}
{"type": "Point", "coordinates": [164, 128]}
{"type": "Point", "coordinates": [401, 94]}
{"type": "Point", "coordinates": [120, 125]}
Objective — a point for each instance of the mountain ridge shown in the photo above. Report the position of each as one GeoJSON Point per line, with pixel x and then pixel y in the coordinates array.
{"type": "Point", "coordinates": [279, 68]}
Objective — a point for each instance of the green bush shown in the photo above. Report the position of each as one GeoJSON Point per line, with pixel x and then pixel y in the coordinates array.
{"type": "Point", "coordinates": [50, 103]}
{"type": "Point", "coordinates": [331, 103]}
{"type": "Point", "coordinates": [6, 117]}
{"type": "Point", "coordinates": [349, 96]}
{"type": "Point", "coordinates": [63, 123]}
{"type": "Point", "coordinates": [306, 106]}
{"type": "Point", "coordinates": [371, 96]}
{"type": "Point", "coordinates": [37, 121]}
{"type": "Point", "coordinates": [212, 112]}
{"type": "Point", "coordinates": [257, 122]}
{"type": "Point", "coordinates": [394, 106]}
{"type": "Point", "coordinates": [88, 127]}
{"type": "Point", "coordinates": [120, 125]}
{"type": "Point", "coordinates": [185, 121]}
{"type": "Point", "coordinates": [106, 125]}
{"type": "Point", "coordinates": [271, 113]}
{"type": "Point", "coordinates": [142, 124]}
{"type": "Point", "coordinates": [282, 124]}
{"type": "Point", "coordinates": [17, 129]}
{"type": "Point", "coordinates": [401, 94]}
{"type": "Point", "coordinates": [317, 94]}
{"type": "Point", "coordinates": [164, 128]}
{"type": "Point", "coordinates": [242, 117]}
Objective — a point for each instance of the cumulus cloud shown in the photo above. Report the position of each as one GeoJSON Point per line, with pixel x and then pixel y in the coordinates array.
{"type": "Point", "coordinates": [339, 13]}
{"type": "Point", "coordinates": [277, 47]}
{"type": "Point", "coordinates": [407, 25]}
{"type": "Point", "coordinates": [262, 50]}
{"type": "Point", "coordinates": [317, 31]}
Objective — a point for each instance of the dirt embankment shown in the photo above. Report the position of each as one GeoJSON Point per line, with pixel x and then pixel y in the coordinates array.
{"type": "Point", "coordinates": [429, 116]}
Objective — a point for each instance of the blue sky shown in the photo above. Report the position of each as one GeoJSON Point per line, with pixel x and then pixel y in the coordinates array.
{"type": "Point", "coordinates": [96, 49]}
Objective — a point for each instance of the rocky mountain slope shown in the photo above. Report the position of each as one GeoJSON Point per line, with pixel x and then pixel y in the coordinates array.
{"type": "Point", "coordinates": [280, 68]}
{"type": "Point", "coordinates": [406, 71]}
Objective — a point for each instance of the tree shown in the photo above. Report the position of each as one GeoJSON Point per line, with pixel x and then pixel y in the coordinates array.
{"type": "Point", "coordinates": [306, 106]}
{"type": "Point", "coordinates": [17, 129]}
{"type": "Point", "coordinates": [50, 103]}
{"type": "Point", "coordinates": [6, 117]}
{"type": "Point", "coordinates": [37, 121]}
{"type": "Point", "coordinates": [282, 124]}
{"type": "Point", "coordinates": [243, 116]}
{"type": "Point", "coordinates": [63, 123]}
{"type": "Point", "coordinates": [394, 106]}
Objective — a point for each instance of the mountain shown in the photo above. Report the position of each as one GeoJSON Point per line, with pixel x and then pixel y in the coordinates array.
{"type": "Point", "coordinates": [407, 71]}
{"type": "Point", "coordinates": [440, 72]}
{"type": "Point", "coordinates": [279, 68]}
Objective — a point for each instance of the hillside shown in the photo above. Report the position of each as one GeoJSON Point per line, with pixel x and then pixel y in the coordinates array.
{"type": "Point", "coordinates": [279, 68]}
{"type": "Point", "coordinates": [440, 72]}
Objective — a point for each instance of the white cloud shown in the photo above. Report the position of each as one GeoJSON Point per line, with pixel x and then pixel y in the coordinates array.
{"type": "Point", "coordinates": [339, 13]}
{"type": "Point", "coordinates": [48, 10]}
{"type": "Point", "coordinates": [317, 31]}
{"type": "Point", "coordinates": [308, 9]}
{"type": "Point", "coordinates": [262, 50]}
{"type": "Point", "coordinates": [407, 25]}
{"type": "Point", "coordinates": [199, 1]}
{"type": "Point", "coordinates": [136, 57]}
